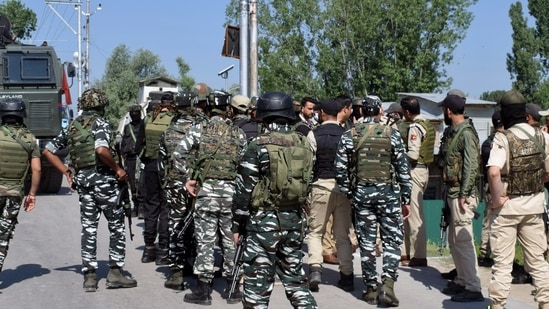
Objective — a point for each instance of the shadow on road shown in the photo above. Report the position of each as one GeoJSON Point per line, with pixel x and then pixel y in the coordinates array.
{"type": "Point", "coordinates": [24, 272]}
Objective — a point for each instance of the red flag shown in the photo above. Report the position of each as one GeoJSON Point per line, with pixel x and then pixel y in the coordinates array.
{"type": "Point", "coordinates": [65, 88]}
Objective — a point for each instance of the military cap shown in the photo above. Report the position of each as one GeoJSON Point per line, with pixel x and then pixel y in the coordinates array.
{"type": "Point", "coordinates": [453, 102]}
{"type": "Point", "coordinates": [512, 97]}
{"type": "Point", "coordinates": [533, 110]}
{"type": "Point", "coordinates": [329, 106]}
{"type": "Point", "coordinates": [240, 102]}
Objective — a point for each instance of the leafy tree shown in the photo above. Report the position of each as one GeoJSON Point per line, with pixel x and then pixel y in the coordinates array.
{"type": "Point", "coordinates": [523, 63]}
{"type": "Point", "coordinates": [185, 80]}
{"type": "Point", "coordinates": [352, 47]}
{"type": "Point", "coordinates": [493, 96]}
{"type": "Point", "coordinates": [124, 70]}
{"type": "Point", "coordinates": [23, 20]}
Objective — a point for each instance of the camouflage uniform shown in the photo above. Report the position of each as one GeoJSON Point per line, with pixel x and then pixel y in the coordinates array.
{"type": "Point", "coordinates": [274, 237]}
{"type": "Point", "coordinates": [212, 214]}
{"type": "Point", "coordinates": [11, 190]}
{"type": "Point", "coordinates": [176, 195]}
{"type": "Point", "coordinates": [376, 204]}
{"type": "Point", "coordinates": [98, 191]}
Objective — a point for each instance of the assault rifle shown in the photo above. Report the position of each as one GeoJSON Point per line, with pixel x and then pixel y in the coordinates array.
{"type": "Point", "coordinates": [237, 261]}
{"type": "Point", "coordinates": [185, 223]}
{"type": "Point", "coordinates": [445, 217]}
{"type": "Point", "coordinates": [125, 201]}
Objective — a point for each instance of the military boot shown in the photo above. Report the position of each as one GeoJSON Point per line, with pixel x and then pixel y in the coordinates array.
{"type": "Point", "coordinates": [201, 296]}
{"type": "Point", "coordinates": [315, 277]}
{"type": "Point", "coordinates": [149, 254]}
{"type": "Point", "coordinates": [175, 281]}
{"type": "Point", "coordinates": [162, 257]}
{"type": "Point", "coordinates": [346, 282]}
{"type": "Point", "coordinates": [236, 297]}
{"type": "Point", "coordinates": [387, 293]}
{"type": "Point", "coordinates": [90, 281]}
{"type": "Point", "coordinates": [370, 296]}
{"type": "Point", "coordinates": [115, 279]}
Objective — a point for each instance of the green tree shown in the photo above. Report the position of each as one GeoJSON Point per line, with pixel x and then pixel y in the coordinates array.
{"type": "Point", "coordinates": [352, 47]}
{"type": "Point", "coordinates": [493, 96]}
{"type": "Point", "coordinates": [185, 80]}
{"type": "Point", "coordinates": [23, 20]}
{"type": "Point", "coordinates": [124, 70]}
{"type": "Point", "coordinates": [523, 62]}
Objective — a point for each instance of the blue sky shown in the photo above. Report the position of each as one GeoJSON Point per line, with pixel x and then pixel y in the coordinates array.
{"type": "Point", "coordinates": [194, 31]}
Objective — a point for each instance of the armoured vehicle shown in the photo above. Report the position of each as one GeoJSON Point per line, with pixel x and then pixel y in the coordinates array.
{"type": "Point", "coordinates": [36, 75]}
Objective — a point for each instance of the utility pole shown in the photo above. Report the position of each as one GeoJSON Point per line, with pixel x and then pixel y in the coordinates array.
{"type": "Point", "coordinates": [86, 58]}
{"type": "Point", "coordinates": [244, 60]}
{"type": "Point", "coordinates": [77, 57]}
{"type": "Point", "coordinates": [253, 49]}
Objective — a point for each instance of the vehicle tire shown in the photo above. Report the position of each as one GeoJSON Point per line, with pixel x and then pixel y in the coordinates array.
{"type": "Point", "coordinates": [50, 180]}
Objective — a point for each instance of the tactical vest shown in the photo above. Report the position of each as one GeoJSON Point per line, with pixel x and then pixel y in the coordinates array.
{"type": "Point", "coordinates": [81, 142]}
{"type": "Point", "coordinates": [290, 170]}
{"type": "Point", "coordinates": [426, 151]}
{"type": "Point", "coordinates": [327, 139]}
{"type": "Point", "coordinates": [172, 136]}
{"type": "Point", "coordinates": [14, 158]}
{"type": "Point", "coordinates": [453, 160]}
{"type": "Point", "coordinates": [372, 155]}
{"type": "Point", "coordinates": [403, 127]}
{"type": "Point", "coordinates": [153, 129]}
{"type": "Point", "coordinates": [250, 127]}
{"type": "Point", "coordinates": [526, 162]}
{"type": "Point", "coordinates": [219, 151]}
{"type": "Point", "coordinates": [485, 154]}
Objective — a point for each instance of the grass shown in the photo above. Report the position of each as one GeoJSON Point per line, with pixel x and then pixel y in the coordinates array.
{"type": "Point", "coordinates": [433, 251]}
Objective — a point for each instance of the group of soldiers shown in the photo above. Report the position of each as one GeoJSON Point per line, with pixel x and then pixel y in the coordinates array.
{"type": "Point", "coordinates": [209, 169]}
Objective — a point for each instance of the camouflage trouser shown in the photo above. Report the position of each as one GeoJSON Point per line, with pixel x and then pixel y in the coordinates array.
{"type": "Point", "coordinates": [93, 201]}
{"type": "Point", "coordinates": [213, 215]}
{"type": "Point", "coordinates": [378, 206]}
{"type": "Point", "coordinates": [277, 252]}
{"type": "Point", "coordinates": [182, 249]}
{"type": "Point", "coordinates": [9, 206]}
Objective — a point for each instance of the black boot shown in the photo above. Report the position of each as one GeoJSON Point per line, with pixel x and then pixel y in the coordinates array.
{"type": "Point", "coordinates": [315, 277]}
{"type": "Point", "coordinates": [149, 254]}
{"type": "Point", "coordinates": [175, 281]}
{"type": "Point", "coordinates": [162, 257]}
{"type": "Point", "coordinates": [236, 296]}
{"type": "Point", "coordinates": [346, 282]}
{"type": "Point", "coordinates": [201, 296]}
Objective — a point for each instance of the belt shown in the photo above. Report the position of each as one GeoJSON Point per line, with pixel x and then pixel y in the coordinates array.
{"type": "Point", "coordinates": [414, 165]}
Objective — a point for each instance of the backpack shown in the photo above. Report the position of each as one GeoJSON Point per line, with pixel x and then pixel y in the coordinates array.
{"type": "Point", "coordinates": [291, 166]}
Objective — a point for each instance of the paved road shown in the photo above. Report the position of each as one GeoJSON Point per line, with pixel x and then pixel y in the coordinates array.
{"type": "Point", "coordinates": [42, 270]}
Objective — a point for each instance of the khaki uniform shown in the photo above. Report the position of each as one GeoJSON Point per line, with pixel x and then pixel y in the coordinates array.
{"type": "Point", "coordinates": [521, 217]}
{"type": "Point", "coordinates": [415, 230]}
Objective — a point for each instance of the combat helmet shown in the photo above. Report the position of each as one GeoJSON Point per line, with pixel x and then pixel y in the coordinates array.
{"type": "Point", "coordinates": [202, 91]}
{"type": "Point", "coordinates": [185, 100]}
{"type": "Point", "coordinates": [92, 98]}
{"type": "Point", "coordinates": [13, 107]}
{"type": "Point", "coordinates": [218, 101]}
{"type": "Point", "coordinates": [275, 104]}
{"type": "Point", "coordinates": [134, 108]}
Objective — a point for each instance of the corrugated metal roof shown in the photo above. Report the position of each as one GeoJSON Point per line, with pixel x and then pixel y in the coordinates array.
{"type": "Point", "coordinates": [438, 97]}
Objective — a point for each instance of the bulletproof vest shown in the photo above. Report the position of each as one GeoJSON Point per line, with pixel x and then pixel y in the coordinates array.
{"type": "Point", "coordinates": [81, 142]}
{"type": "Point", "coordinates": [526, 162]}
{"type": "Point", "coordinates": [289, 175]}
{"type": "Point", "coordinates": [403, 127]}
{"type": "Point", "coordinates": [219, 150]}
{"type": "Point", "coordinates": [133, 139]}
{"type": "Point", "coordinates": [372, 156]}
{"type": "Point", "coordinates": [14, 158]}
{"type": "Point", "coordinates": [172, 136]}
{"type": "Point", "coordinates": [153, 129]}
{"type": "Point", "coordinates": [327, 139]}
{"type": "Point", "coordinates": [426, 151]}
{"type": "Point", "coordinates": [250, 128]}
{"type": "Point", "coordinates": [453, 161]}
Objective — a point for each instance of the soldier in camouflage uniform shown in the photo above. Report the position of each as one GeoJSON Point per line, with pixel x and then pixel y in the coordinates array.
{"type": "Point", "coordinates": [181, 248]}
{"type": "Point", "coordinates": [96, 180]}
{"type": "Point", "coordinates": [20, 153]}
{"type": "Point", "coordinates": [239, 108]}
{"type": "Point", "coordinates": [274, 232]}
{"type": "Point", "coordinates": [202, 92]}
{"type": "Point", "coordinates": [372, 169]}
{"type": "Point", "coordinates": [219, 145]}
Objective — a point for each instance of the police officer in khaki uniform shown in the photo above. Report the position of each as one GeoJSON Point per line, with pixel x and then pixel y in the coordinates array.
{"type": "Point", "coordinates": [420, 146]}
{"type": "Point", "coordinates": [517, 168]}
